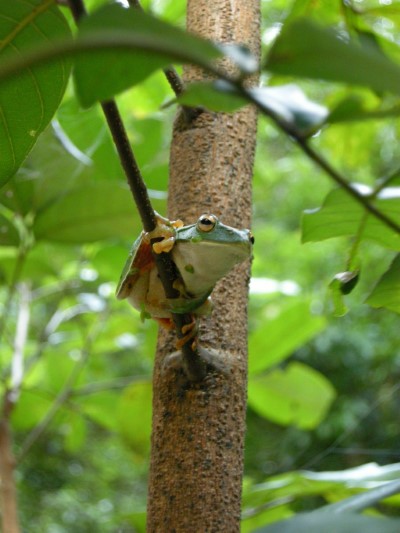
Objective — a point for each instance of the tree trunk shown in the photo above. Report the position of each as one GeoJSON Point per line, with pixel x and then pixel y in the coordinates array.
{"type": "Point", "coordinates": [198, 429]}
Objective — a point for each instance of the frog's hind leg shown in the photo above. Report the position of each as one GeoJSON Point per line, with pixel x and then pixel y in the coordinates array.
{"type": "Point", "coordinates": [189, 331]}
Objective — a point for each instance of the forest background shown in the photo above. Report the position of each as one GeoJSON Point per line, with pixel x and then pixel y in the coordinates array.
{"type": "Point", "coordinates": [324, 369]}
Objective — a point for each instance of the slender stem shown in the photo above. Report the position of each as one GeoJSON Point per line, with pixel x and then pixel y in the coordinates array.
{"type": "Point", "coordinates": [196, 369]}
{"type": "Point", "coordinates": [129, 164]}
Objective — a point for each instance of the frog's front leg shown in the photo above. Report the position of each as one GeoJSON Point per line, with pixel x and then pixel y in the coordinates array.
{"type": "Point", "coordinates": [164, 230]}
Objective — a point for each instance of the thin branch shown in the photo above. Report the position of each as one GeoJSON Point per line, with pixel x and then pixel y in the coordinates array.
{"type": "Point", "coordinates": [195, 367]}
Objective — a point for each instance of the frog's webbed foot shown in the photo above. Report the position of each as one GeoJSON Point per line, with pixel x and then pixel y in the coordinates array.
{"type": "Point", "coordinates": [164, 230]}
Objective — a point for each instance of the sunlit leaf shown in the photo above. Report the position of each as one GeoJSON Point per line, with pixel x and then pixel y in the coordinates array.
{"type": "Point", "coordinates": [296, 395]}
{"type": "Point", "coordinates": [308, 50]}
{"type": "Point", "coordinates": [153, 44]}
{"type": "Point", "coordinates": [281, 335]}
{"type": "Point", "coordinates": [387, 291]}
{"type": "Point", "coordinates": [341, 215]}
{"type": "Point", "coordinates": [28, 101]}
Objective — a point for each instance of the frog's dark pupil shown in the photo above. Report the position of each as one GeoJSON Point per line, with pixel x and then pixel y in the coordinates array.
{"type": "Point", "coordinates": [252, 239]}
{"type": "Point", "coordinates": [206, 221]}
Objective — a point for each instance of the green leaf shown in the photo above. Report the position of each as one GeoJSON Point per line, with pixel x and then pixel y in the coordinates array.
{"type": "Point", "coordinates": [88, 213]}
{"type": "Point", "coordinates": [387, 291]}
{"type": "Point", "coordinates": [287, 101]}
{"type": "Point", "coordinates": [282, 335]}
{"type": "Point", "coordinates": [153, 44]}
{"type": "Point", "coordinates": [134, 416]}
{"type": "Point", "coordinates": [8, 233]}
{"type": "Point", "coordinates": [30, 409]}
{"type": "Point", "coordinates": [308, 50]}
{"type": "Point", "coordinates": [100, 407]}
{"type": "Point", "coordinates": [341, 215]}
{"type": "Point", "coordinates": [215, 96]}
{"type": "Point", "coordinates": [330, 522]}
{"type": "Point", "coordinates": [28, 101]}
{"type": "Point", "coordinates": [297, 395]}
{"type": "Point", "coordinates": [354, 108]}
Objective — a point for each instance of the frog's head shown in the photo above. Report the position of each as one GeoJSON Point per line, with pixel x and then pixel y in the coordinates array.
{"type": "Point", "coordinates": [206, 251]}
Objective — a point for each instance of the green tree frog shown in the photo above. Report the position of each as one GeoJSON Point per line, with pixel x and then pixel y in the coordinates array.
{"type": "Point", "coordinates": [203, 253]}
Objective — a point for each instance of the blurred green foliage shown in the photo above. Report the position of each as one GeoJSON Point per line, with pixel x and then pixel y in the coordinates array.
{"type": "Point", "coordinates": [323, 390]}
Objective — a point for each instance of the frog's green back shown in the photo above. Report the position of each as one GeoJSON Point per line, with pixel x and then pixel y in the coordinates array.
{"type": "Point", "coordinates": [130, 271]}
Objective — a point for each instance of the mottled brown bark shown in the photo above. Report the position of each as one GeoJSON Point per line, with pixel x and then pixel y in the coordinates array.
{"type": "Point", "coordinates": [198, 429]}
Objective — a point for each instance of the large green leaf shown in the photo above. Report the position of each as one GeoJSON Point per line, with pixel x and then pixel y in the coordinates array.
{"type": "Point", "coordinates": [387, 291]}
{"type": "Point", "coordinates": [341, 215]}
{"type": "Point", "coordinates": [29, 100]}
{"type": "Point", "coordinates": [276, 340]}
{"type": "Point", "coordinates": [308, 50]}
{"type": "Point", "coordinates": [297, 395]}
{"type": "Point", "coordinates": [91, 212]}
{"type": "Point", "coordinates": [154, 44]}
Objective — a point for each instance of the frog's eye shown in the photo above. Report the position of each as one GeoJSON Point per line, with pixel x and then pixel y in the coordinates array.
{"type": "Point", "coordinates": [206, 223]}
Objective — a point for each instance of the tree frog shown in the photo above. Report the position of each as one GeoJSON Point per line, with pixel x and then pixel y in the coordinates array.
{"type": "Point", "coordinates": [203, 253]}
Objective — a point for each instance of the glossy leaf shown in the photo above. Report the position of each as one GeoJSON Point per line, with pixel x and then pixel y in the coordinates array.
{"type": "Point", "coordinates": [387, 291]}
{"type": "Point", "coordinates": [296, 395]}
{"type": "Point", "coordinates": [29, 100]}
{"type": "Point", "coordinates": [340, 215]}
{"type": "Point", "coordinates": [290, 329]}
{"type": "Point", "coordinates": [150, 44]}
{"type": "Point", "coordinates": [308, 50]}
